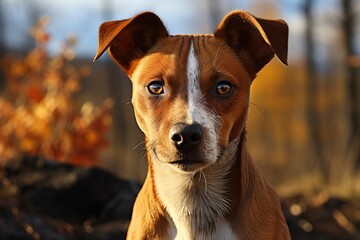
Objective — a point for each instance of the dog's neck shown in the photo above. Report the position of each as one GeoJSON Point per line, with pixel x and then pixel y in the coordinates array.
{"type": "Point", "coordinates": [198, 202]}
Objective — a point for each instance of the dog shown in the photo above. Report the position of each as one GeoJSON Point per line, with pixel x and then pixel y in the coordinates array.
{"type": "Point", "coordinates": [191, 97]}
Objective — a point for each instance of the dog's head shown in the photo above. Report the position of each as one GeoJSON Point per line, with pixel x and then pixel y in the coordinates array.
{"type": "Point", "coordinates": [191, 92]}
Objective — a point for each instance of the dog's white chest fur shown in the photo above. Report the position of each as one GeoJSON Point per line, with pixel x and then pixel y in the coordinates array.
{"type": "Point", "coordinates": [196, 202]}
{"type": "Point", "coordinates": [223, 231]}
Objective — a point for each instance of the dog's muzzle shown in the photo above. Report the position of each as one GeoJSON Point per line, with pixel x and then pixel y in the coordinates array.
{"type": "Point", "coordinates": [187, 139]}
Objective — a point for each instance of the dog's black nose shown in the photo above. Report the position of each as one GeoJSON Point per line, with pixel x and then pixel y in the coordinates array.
{"type": "Point", "coordinates": [185, 136]}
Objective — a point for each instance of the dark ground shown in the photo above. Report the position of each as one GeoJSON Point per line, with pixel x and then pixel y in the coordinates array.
{"type": "Point", "coordinates": [47, 200]}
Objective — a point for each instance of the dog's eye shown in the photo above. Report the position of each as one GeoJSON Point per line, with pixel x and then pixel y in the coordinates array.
{"type": "Point", "coordinates": [156, 87]}
{"type": "Point", "coordinates": [223, 88]}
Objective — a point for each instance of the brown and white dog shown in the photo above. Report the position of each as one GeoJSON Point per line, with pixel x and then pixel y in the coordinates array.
{"type": "Point", "coordinates": [191, 98]}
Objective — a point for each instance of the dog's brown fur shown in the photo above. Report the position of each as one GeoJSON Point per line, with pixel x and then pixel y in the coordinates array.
{"type": "Point", "coordinates": [237, 50]}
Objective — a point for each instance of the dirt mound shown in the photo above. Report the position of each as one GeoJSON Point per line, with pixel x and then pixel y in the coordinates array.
{"type": "Point", "coordinates": [42, 199]}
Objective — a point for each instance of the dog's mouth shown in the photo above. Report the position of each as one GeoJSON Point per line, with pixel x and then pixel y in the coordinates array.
{"type": "Point", "coordinates": [184, 163]}
{"type": "Point", "coordinates": [188, 164]}
{"type": "Point", "coordinates": [192, 160]}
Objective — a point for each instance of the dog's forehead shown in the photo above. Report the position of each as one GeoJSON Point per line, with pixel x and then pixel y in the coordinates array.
{"type": "Point", "coordinates": [180, 45]}
{"type": "Point", "coordinates": [173, 56]}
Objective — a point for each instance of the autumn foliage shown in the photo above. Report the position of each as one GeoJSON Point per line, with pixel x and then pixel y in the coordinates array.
{"type": "Point", "coordinates": [39, 114]}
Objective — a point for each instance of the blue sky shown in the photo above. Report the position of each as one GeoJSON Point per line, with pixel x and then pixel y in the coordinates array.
{"type": "Point", "coordinates": [83, 17]}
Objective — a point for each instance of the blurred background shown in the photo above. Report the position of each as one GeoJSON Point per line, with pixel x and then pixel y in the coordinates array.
{"type": "Point", "coordinates": [57, 105]}
{"type": "Point", "coordinates": [304, 119]}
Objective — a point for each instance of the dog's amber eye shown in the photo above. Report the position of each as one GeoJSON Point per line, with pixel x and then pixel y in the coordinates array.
{"type": "Point", "coordinates": [156, 87]}
{"type": "Point", "coordinates": [223, 88]}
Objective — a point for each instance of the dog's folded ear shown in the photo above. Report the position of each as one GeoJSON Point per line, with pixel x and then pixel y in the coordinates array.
{"type": "Point", "coordinates": [130, 39]}
{"type": "Point", "coordinates": [254, 38]}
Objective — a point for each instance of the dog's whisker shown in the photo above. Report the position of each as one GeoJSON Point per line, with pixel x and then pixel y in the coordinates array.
{"type": "Point", "coordinates": [258, 109]}
{"type": "Point", "coordinates": [219, 63]}
{"type": "Point", "coordinates": [138, 145]}
{"type": "Point", "coordinates": [126, 101]}
{"type": "Point", "coordinates": [144, 157]}
{"type": "Point", "coordinates": [216, 56]}
{"type": "Point", "coordinates": [205, 181]}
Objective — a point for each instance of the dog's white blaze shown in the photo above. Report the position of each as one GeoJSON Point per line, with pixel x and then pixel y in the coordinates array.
{"type": "Point", "coordinates": [197, 112]}
{"type": "Point", "coordinates": [194, 92]}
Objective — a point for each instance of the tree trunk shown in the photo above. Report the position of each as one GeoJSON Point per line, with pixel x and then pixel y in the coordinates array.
{"type": "Point", "coordinates": [312, 91]}
{"type": "Point", "coordinates": [2, 44]}
{"type": "Point", "coordinates": [352, 78]}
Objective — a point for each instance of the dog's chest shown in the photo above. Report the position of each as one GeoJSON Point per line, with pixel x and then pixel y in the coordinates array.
{"type": "Point", "coordinates": [222, 231]}
{"type": "Point", "coordinates": [196, 205]}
